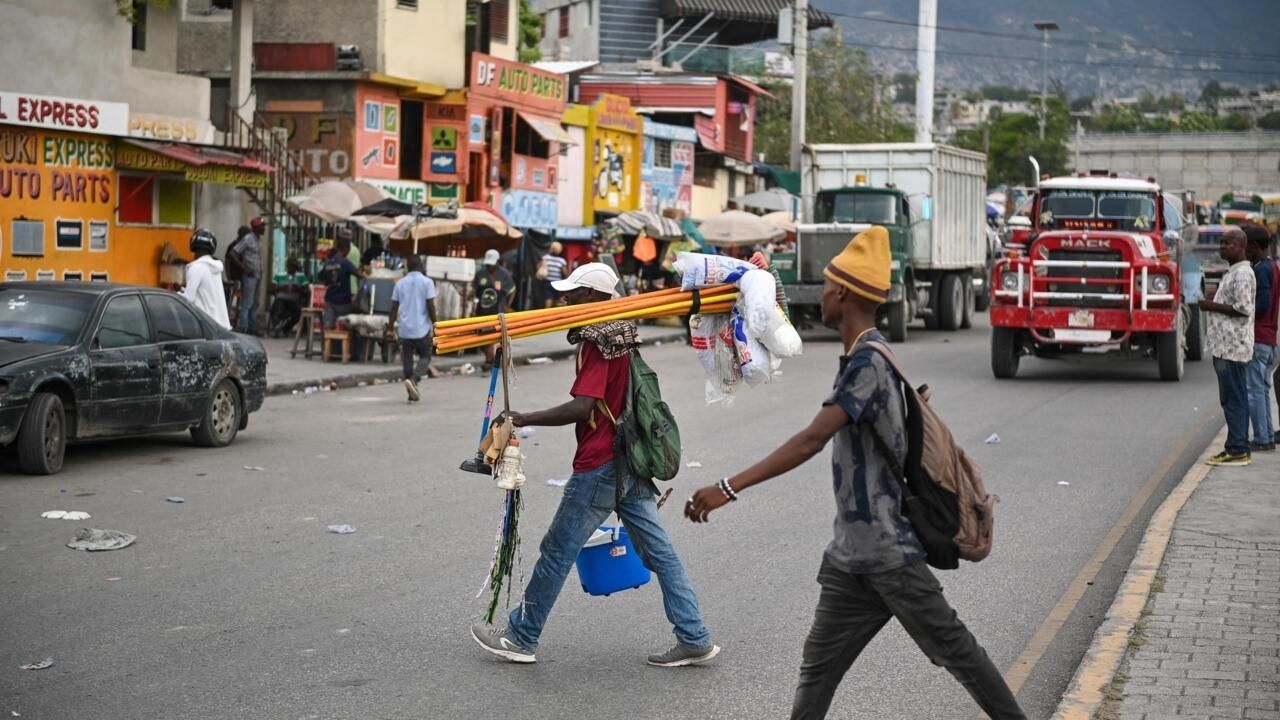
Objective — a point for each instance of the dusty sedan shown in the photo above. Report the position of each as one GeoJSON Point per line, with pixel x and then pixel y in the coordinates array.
{"type": "Point", "coordinates": [85, 360]}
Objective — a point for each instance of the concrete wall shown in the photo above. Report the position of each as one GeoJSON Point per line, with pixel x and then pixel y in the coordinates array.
{"type": "Point", "coordinates": [82, 49]}
{"type": "Point", "coordinates": [1209, 163]}
{"type": "Point", "coordinates": [205, 40]}
{"type": "Point", "coordinates": [427, 44]}
{"type": "Point", "coordinates": [583, 42]}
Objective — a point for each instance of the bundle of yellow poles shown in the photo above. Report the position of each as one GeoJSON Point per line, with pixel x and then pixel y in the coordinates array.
{"type": "Point", "coordinates": [467, 333]}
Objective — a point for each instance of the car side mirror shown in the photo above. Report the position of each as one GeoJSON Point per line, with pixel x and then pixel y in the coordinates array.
{"type": "Point", "coordinates": [1171, 237]}
{"type": "Point", "coordinates": [96, 343]}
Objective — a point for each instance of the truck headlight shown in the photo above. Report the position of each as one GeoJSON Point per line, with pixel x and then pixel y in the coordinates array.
{"type": "Point", "coordinates": [1157, 284]}
{"type": "Point", "coordinates": [1009, 281]}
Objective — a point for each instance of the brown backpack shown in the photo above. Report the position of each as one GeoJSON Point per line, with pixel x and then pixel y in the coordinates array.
{"type": "Point", "coordinates": [943, 494]}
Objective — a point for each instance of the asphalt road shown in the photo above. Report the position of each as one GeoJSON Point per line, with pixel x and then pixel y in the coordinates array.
{"type": "Point", "coordinates": [239, 604]}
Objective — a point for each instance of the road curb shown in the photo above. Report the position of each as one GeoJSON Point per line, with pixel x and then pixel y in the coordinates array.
{"type": "Point", "coordinates": [392, 372]}
{"type": "Point", "coordinates": [1089, 685]}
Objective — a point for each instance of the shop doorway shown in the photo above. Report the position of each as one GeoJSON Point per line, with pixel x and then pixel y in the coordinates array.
{"type": "Point", "coordinates": [477, 177]}
{"type": "Point", "coordinates": [410, 140]}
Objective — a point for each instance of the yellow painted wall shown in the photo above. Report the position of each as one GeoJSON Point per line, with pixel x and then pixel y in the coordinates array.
{"type": "Point", "coordinates": [427, 44]}
{"type": "Point", "coordinates": [50, 176]}
{"type": "Point", "coordinates": [709, 201]}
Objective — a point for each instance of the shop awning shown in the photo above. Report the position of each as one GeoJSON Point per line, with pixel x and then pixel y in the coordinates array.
{"type": "Point", "coordinates": [550, 130]}
{"type": "Point", "coordinates": [197, 155]}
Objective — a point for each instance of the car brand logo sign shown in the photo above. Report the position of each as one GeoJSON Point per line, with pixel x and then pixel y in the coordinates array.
{"type": "Point", "coordinates": [1085, 244]}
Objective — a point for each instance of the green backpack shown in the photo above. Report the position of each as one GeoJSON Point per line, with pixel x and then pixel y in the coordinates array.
{"type": "Point", "coordinates": [647, 432]}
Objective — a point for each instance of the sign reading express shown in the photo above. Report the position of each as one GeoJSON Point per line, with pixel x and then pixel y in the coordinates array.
{"type": "Point", "coordinates": [517, 84]}
{"type": "Point", "coordinates": [54, 113]}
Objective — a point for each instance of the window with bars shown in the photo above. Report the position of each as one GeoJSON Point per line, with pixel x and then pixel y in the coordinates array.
{"type": "Point", "coordinates": [407, 4]}
{"type": "Point", "coordinates": [564, 21]}
{"type": "Point", "coordinates": [661, 153]}
{"type": "Point", "coordinates": [27, 237]}
{"type": "Point", "coordinates": [499, 19]}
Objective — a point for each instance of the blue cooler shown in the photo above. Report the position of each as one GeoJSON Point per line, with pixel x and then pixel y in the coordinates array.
{"type": "Point", "coordinates": [609, 563]}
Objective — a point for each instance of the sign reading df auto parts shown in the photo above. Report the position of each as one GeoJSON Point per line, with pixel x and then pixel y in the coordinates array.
{"type": "Point", "coordinates": [517, 84]}
{"type": "Point", "coordinates": [54, 113]}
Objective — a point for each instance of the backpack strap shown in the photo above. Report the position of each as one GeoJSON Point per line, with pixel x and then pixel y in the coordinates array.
{"type": "Point", "coordinates": [914, 427]}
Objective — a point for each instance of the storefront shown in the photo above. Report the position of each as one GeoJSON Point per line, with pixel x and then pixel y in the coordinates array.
{"type": "Point", "coordinates": [614, 149]}
{"type": "Point", "coordinates": [88, 206]}
{"type": "Point", "coordinates": [666, 172]}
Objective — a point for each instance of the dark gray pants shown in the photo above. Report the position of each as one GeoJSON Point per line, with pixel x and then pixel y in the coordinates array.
{"type": "Point", "coordinates": [853, 608]}
{"type": "Point", "coordinates": [423, 347]}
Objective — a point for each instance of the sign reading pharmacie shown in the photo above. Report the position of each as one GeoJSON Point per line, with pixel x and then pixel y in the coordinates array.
{"type": "Point", "coordinates": [131, 157]}
{"type": "Point", "coordinates": [517, 84]}
{"type": "Point", "coordinates": [56, 113]}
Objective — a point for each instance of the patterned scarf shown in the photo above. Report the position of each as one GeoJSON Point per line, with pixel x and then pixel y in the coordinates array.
{"type": "Point", "coordinates": [614, 338]}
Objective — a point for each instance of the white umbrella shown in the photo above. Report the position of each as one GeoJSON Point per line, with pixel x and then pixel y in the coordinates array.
{"type": "Point", "coordinates": [336, 200]}
{"type": "Point", "coordinates": [782, 219]}
{"type": "Point", "coordinates": [769, 200]}
{"type": "Point", "coordinates": [736, 227]}
{"type": "Point", "coordinates": [635, 222]}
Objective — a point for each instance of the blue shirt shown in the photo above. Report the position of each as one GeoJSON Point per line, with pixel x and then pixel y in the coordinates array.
{"type": "Point", "coordinates": [336, 274]}
{"type": "Point", "coordinates": [871, 534]}
{"type": "Point", "coordinates": [413, 292]}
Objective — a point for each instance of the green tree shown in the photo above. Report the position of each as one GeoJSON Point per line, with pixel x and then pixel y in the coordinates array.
{"type": "Point", "coordinates": [904, 87]}
{"type": "Point", "coordinates": [1081, 104]}
{"type": "Point", "coordinates": [1198, 121]}
{"type": "Point", "coordinates": [1116, 118]}
{"type": "Point", "coordinates": [846, 103]}
{"type": "Point", "coordinates": [1236, 121]}
{"type": "Point", "coordinates": [1011, 138]}
{"type": "Point", "coordinates": [1270, 121]}
{"type": "Point", "coordinates": [530, 50]}
{"type": "Point", "coordinates": [1004, 93]}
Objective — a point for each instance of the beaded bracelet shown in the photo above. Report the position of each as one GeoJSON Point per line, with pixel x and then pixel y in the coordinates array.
{"type": "Point", "coordinates": [727, 489]}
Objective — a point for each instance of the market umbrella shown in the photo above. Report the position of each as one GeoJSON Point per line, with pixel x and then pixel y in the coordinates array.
{"type": "Point", "coordinates": [387, 207]}
{"type": "Point", "coordinates": [737, 227]}
{"type": "Point", "coordinates": [637, 222]}
{"type": "Point", "coordinates": [782, 219]}
{"type": "Point", "coordinates": [773, 199]}
{"type": "Point", "coordinates": [470, 226]}
{"type": "Point", "coordinates": [337, 200]}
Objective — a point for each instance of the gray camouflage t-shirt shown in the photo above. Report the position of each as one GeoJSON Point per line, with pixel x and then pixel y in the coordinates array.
{"type": "Point", "coordinates": [871, 534]}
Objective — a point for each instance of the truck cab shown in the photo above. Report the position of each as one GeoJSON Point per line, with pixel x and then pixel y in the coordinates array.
{"type": "Point", "coordinates": [1100, 268]}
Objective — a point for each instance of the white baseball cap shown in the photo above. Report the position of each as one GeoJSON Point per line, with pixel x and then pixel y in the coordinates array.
{"type": "Point", "coordinates": [596, 276]}
{"type": "Point", "coordinates": [491, 257]}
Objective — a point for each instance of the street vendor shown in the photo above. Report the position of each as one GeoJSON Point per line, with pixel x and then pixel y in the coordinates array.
{"type": "Point", "coordinates": [603, 376]}
{"type": "Point", "coordinates": [494, 288]}
{"type": "Point", "coordinates": [337, 274]}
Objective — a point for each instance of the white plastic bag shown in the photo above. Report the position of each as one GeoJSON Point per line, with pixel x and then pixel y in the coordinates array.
{"type": "Point", "coordinates": [699, 270]}
{"type": "Point", "coordinates": [785, 341]}
{"type": "Point", "coordinates": [759, 301]}
{"type": "Point", "coordinates": [753, 358]}
{"type": "Point", "coordinates": [712, 340]}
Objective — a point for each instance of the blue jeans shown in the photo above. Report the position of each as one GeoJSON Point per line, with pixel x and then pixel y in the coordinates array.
{"type": "Point", "coordinates": [1260, 369]}
{"type": "Point", "coordinates": [1233, 393]}
{"type": "Point", "coordinates": [588, 500]}
{"type": "Point", "coordinates": [245, 320]}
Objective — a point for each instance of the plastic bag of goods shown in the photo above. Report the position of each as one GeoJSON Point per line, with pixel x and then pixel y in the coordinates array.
{"type": "Point", "coordinates": [699, 270]}
{"type": "Point", "coordinates": [784, 342]}
{"type": "Point", "coordinates": [712, 340]}
{"type": "Point", "coordinates": [753, 358]}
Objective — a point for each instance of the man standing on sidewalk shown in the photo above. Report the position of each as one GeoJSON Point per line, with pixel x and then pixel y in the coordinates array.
{"type": "Point", "coordinates": [1229, 338]}
{"type": "Point", "coordinates": [413, 306]}
{"type": "Point", "coordinates": [874, 569]}
{"type": "Point", "coordinates": [1263, 366]}
{"type": "Point", "coordinates": [494, 288]}
{"type": "Point", "coordinates": [604, 373]}
{"type": "Point", "coordinates": [248, 257]}
{"type": "Point", "coordinates": [337, 274]}
{"type": "Point", "coordinates": [203, 286]}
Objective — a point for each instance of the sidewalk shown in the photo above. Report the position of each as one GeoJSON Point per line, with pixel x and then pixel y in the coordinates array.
{"type": "Point", "coordinates": [1206, 644]}
{"type": "Point", "coordinates": [286, 374]}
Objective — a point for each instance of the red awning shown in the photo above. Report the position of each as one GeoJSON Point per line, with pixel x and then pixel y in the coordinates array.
{"type": "Point", "coordinates": [202, 155]}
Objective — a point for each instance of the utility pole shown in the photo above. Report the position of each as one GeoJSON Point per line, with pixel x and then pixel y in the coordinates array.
{"type": "Point", "coordinates": [800, 59]}
{"type": "Point", "coordinates": [1045, 27]}
{"type": "Point", "coordinates": [926, 42]}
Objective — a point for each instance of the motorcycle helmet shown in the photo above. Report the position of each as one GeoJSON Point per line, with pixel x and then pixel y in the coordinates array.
{"type": "Point", "coordinates": [203, 241]}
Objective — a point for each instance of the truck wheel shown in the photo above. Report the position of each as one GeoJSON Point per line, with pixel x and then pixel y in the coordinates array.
{"type": "Point", "coordinates": [898, 321]}
{"type": "Point", "coordinates": [1004, 353]}
{"type": "Point", "coordinates": [950, 302]}
{"type": "Point", "coordinates": [1169, 353]}
{"type": "Point", "coordinates": [1195, 334]}
{"type": "Point", "coordinates": [982, 300]}
{"type": "Point", "coordinates": [966, 318]}
{"type": "Point", "coordinates": [42, 435]}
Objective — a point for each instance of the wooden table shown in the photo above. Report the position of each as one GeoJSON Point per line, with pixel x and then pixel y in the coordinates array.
{"type": "Point", "coordinates": [310, 316]}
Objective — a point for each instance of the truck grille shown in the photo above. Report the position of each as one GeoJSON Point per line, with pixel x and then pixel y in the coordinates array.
{"type": "Point", "coordinates": [1068, 279]}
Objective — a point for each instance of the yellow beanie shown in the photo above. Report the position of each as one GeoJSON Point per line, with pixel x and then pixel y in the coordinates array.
{"type": "Point", "coordinates": [863, 266]}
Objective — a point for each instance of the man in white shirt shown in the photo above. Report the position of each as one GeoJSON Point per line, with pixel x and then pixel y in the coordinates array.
{"type": "Point", "coordinates": [413, 317]}
{"type": "Point", "coordinates": [1229, 338]}
{"type": "Point", "coordinates": [204, 279]}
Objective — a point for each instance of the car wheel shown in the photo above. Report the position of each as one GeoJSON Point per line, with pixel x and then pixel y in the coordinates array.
{"type": "Point", "coordinates": [221, 419]}
{"type": "Point", "coordinates": [42, 436]}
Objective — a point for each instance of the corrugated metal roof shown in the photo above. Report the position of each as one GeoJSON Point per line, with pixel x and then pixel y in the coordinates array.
{"type": "Point", "coordinates": [754, 11]}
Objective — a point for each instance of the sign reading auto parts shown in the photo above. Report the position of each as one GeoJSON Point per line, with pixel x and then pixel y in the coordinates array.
{"type": "Point", "coordinates": [129, 157]}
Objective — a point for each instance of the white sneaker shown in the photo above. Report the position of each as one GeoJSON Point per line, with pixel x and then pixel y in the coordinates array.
{"type": "Point", "coordinates": [414, 395]}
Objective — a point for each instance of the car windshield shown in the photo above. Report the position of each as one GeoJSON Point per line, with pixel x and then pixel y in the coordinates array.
{"type": "Point", "coordinates": [1097, 210]}
{"type": "Point", "coordinates": [42, 316]}
{"type": "Point", "coordinates": [851, 207]}
{"type": "Point", "coordinates": [1244, 205]}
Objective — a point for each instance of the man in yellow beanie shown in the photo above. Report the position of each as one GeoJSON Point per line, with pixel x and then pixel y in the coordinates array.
{"type": "Point", "coordinates": [874, 569]}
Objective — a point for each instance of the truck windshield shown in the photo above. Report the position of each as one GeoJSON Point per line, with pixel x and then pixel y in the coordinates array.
{"type": "Point", "coordinates": [42, 316]}
{"type": "Point", "coordinates": [850, 207]}
{"type": "Point", "coordinates": [1097, 210]}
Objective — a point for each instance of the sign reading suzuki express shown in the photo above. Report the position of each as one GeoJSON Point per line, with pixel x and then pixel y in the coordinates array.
{"type": "Point", "coordinates": [55, 113]}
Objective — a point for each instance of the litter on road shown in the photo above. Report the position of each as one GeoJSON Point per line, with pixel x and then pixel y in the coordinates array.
{"type": "Point", "coordinates": [525, 432]}
{"type": "Point", "coordinates": [540, 361]}
{"type": "Point", "coordinates": [254, 468]}
{"type": "Point", "coordinates": [45, 663]}
{"type": "Point", "coordinates": [341, 529]}
{"type": "Point", "coordinates": [993, 439]}
{"type": "Point", "coordinates": [1063, 482]}
{"type": "Point", "coordinates": [693, 464]}
{"type": "Point", "coordinates": [65, 515]}
{"type": "Point", "coordinates": [93, 539]}
{"type": "Point", "coordinates": [175, 499]}
{"type": "Point", "coordinates": [558, 483]}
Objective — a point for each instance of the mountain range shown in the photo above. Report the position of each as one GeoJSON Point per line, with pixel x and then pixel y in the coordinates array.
{"type": "Point", "coordinates": [1107, 48]}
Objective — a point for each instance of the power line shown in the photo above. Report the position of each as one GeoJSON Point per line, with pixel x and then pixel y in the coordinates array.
{"type": "Point", "coordinates": [1065, 41]}
{"type": "Point", "coordinates": [1088, 63]}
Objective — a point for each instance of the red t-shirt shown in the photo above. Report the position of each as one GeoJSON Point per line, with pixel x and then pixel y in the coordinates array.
{"type": "Point", "coordinates": [603, 380]}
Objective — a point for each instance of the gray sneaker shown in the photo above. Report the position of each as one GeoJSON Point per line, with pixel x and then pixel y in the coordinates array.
{"type": "Point", "coordinates": [412, 387]}
{"type": "Point", "coordinates": [682, 654]}
{"type": "Point", "coordinates": [496, 641]}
